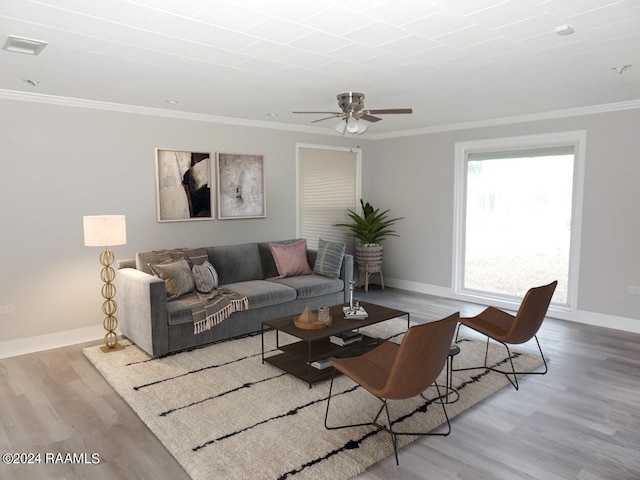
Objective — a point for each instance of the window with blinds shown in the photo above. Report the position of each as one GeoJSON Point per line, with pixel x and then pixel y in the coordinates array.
{"type": "Point", "coordinates": [328, 184]}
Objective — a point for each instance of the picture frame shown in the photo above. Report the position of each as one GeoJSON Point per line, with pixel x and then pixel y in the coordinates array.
{"type": "Point", "coordinates": [183, 185]}
{"type": "Point", "coordinates": [240, 186]}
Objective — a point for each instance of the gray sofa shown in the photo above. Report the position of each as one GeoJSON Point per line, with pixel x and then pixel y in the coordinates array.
{"type": "Point", "coordinates": [160, 327]}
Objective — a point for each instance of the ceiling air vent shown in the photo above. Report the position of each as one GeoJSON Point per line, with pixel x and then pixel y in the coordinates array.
{"type": "Point", "coordinates": [27, 46]}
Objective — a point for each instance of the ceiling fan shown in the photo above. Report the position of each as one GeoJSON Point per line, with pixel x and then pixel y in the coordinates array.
{"type": "Point", "coordinates": [352, 106]}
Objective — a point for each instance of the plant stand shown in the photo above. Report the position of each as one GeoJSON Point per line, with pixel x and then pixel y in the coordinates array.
{"type": "Point", "coordinates": [368, 269]}
{"type": "Point", "coordinates": [369, 260]}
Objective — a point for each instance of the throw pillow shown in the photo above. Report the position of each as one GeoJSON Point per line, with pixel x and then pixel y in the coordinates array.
{"type": "Point", "coordinates": [291, 258]}
{"type": "Point", "coordinates": [205, 277]}
{"type": "Point", "coordinates": [329, 259]}
{"type": "Point", "coordinates": [177, 277]}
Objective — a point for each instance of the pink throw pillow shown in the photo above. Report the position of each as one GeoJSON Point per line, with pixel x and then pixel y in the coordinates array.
{"type": "Point", "coordinates": [291, 258]}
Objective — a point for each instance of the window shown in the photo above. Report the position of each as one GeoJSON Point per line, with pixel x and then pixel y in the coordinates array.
{"type": "Point", "coordinates": [518, 204]}
{"type": "Point", "coordinates": [328, 184]}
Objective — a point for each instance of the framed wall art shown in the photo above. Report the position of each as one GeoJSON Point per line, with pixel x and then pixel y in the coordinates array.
{"type": "Point", "coordinates": [183, 185]}
{"type": "Point", "coordinates": [240, 186]}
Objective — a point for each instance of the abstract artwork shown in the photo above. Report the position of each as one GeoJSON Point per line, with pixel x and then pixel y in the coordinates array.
{"type": "Point", "coordinates": [183, 185]}
{"type": "Point", "coordinates": [240, 186]}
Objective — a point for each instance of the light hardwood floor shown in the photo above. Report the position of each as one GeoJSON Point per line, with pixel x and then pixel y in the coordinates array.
{"type": "Point", "coordinates": [580, 421]}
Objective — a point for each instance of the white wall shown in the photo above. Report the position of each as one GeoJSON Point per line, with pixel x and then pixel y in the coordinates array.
{"type": "Point", "coordinates": [59, 163]}
{"type": "Point", "coordinates": [414, 176]}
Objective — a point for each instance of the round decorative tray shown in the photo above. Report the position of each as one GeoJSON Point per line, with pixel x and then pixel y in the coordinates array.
{"type": "Point", "coordinates": [312, 325]}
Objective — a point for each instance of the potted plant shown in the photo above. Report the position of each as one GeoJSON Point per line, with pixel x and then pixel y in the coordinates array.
{"type": "Point", "coordinates": [370, 228]}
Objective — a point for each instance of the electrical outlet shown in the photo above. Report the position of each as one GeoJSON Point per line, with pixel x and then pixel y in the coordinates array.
{"type": "Point", "coordinates": [633, 290]}
{"type": "Point", "coordinates": [6, 309]}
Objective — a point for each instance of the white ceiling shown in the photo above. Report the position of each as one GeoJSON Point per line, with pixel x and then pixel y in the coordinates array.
{"type": "Point", "coordinates": [452, 61]}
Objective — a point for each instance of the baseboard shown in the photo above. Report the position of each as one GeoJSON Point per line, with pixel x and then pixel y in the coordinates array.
{"type": "Point", "coordinates": [22, 346]}
{"type": "Point", "coordinates": [579, 316]}
{"type": "Point", "coordinates": [607, 321]}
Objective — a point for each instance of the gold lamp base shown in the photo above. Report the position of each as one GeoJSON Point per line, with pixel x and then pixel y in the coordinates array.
{"type": "Point", "coordinates": [115, 348]}
{"type": "Point", "coordinates": [109, 306]}
{"type": "Point", "coordinates": [104, 230]}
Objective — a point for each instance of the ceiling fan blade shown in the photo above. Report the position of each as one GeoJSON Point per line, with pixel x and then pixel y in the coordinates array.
{"type": "Point", "coordinates": [390, 110]}
{"type": "Point", "coordinates": [327, 118]}
{"type": "Point", "coordinates": [352, 106]}
{"type": "Point", "coordinates": [369, 118]}
{"type": "Point", "coordinates": [320, 113]}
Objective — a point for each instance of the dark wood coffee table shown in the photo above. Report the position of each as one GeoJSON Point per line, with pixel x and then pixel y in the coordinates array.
{"type": "Point", "coordinates": [297, 358]}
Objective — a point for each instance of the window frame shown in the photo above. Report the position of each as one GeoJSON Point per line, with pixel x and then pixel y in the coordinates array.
{"type": "Point", "coordinates": [358, 177]}
{"type": "Point", "coordinates": [576, 139]}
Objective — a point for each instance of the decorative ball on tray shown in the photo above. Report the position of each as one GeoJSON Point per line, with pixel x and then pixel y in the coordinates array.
{"type": "Point", "coordinates": [309, 321]}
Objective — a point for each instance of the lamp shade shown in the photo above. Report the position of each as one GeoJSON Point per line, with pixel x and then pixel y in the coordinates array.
{"type": "Point", "coordinates": [361, 128]}
{"type": "Point", "coordinates": [341, 127]}
{"type": "Point", "coordinates": [104, 230]}
{"type": "Point", "coordinates": [352, 125]}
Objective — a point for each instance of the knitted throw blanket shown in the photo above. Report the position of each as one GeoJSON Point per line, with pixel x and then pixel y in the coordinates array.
{"type": "Point", "coordinates": [209, 309]}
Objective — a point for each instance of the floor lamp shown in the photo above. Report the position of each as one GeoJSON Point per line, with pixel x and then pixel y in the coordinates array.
{"type": "Point", "coordinates": [105, 231]}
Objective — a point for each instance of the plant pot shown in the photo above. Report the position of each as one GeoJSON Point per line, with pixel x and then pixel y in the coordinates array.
{"type": "Point", "coordinates": [370, 255]}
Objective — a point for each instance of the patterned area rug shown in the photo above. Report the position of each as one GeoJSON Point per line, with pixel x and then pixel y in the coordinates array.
{"type": "Point", "coordinates": [223, 414]}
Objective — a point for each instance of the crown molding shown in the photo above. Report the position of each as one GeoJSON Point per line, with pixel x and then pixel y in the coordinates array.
{"type": "Point", "coordinates": [157, 112]}
{"type": "Point", "coordinates": [529, 117]}
{"type": "Point", "coordinates": [201, 117]}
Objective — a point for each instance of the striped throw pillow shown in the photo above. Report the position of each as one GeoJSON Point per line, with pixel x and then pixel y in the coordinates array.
{"type": "Point", "coordinates": [205, 277]}
{"type": "Point", "coordinates": [329, 259]}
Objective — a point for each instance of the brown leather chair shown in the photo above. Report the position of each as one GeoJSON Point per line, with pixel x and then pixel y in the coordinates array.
{"type": "Point", "coordinates": [508, 329]}
{"type": "Point", "coordinates": [396, 372]}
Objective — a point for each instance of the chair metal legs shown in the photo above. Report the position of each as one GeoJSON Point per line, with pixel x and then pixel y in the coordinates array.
{"type": "Point", "coordinates": [389, 427]}
{"type": "Point", "coordinates": [512, 376]}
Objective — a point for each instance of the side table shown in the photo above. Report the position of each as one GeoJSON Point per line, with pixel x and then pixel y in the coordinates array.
{"type": "Point", "coordinates": [449, 390]}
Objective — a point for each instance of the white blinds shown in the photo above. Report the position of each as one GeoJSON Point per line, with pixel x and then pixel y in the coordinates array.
{"type": "Point", "coordinates": [327, 186]}
{"type": "Point", "coordinates": [522, 153]}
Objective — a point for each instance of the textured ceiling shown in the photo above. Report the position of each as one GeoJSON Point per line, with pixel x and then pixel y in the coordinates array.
{"type": "Point", "coordinates": [452, 61]}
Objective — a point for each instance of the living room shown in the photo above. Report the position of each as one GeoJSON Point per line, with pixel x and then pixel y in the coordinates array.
{"type": "Point", "coordinates": [67, 157]}
{"type": "Point", "coordinates": [65, 162]}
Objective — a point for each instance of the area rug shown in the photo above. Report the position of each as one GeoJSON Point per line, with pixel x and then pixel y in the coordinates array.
{"type": "Point", "coordinates": [224, 414]}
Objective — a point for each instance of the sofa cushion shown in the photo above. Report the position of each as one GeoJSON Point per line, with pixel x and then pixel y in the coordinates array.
{"type": "Point", "coordinates": [179, 311]}
{"type": "Point", "coordinates": [177, 277]}
{"type": "Point", "coordinates": [205, 277]}
{"type": "Point", "coordinates": [291, 259]}
{"type": "Point", "coordinates": [307, 286]}
{"type": "Point", "coordinates": [262, 293]}
{"type": "Point", "coordinates": [236, 263]}
{"type": "Point", "coordinates": [329, 258]}
{"type": "Point", "coordinates": [196, 256]}
{"type": "Point", "coordinates": [144, 260]}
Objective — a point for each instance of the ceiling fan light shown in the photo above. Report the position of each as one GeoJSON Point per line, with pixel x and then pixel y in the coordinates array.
{"type": "Point", "coordinates": [341, 127]}
{"type": "Point", "coordinates": [361, 128]}
{"type": "Point", "coordinates": [353, 125]}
